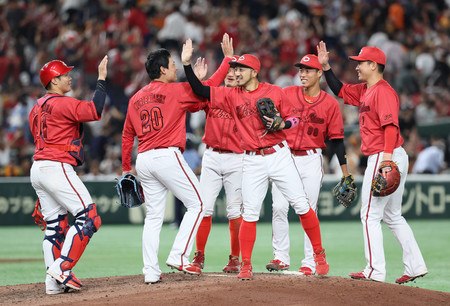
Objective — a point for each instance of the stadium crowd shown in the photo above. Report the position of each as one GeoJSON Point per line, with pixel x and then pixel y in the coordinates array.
{"type": "Point", "coordinates": [413, 33]}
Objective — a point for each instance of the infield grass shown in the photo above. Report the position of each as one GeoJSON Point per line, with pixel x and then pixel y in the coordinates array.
{"type": "Point", "coordinates": [116, 250]}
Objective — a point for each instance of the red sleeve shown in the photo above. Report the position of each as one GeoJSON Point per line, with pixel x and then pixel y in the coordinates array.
{"type": "Point", "coordinates": [335, 120]}
{"type": "Point", "coordinates": [217, 78]}
{"type": "Point", "coordinates": [285, 107]}
{"type": "Point", "coordinates": [128, 135]}
{"type": "Point", "coordinates": [77, 110]}
{"type": "Point", "coordinates": [351, 93]}
{"type": "Point", "coordinates": [195, 107]}
{"type": "Point", "coordinates": [388, 106]}
{"type": "Point", "coordinates": [390, 138]}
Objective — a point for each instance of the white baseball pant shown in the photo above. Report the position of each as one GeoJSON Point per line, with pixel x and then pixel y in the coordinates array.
{"type": "Point", "coordinates": [222, 169]}
{"type": "Point", "coordinates": [159, 171]}
{"type": "Point", "coordinates": [388, 209]}
{"type": "Point", "coordinates": [310, 168]}
{"type": "Point", "coordinates": [281, 169]}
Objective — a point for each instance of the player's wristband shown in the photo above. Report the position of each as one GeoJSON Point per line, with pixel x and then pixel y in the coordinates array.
{"type": "Point", "coordinates": [290, 123]}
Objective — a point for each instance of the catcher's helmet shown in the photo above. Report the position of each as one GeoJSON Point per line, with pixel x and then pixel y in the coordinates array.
{"type": "Point", "coordinates": [53, 69]}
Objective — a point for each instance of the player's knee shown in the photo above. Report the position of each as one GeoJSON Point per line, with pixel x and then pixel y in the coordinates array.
{"type": "Point", "coordinates": [89, 221]}
{"type": "Point", "coordinates": [93, 221]}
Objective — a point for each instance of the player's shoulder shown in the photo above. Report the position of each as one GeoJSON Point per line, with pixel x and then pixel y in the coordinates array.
{"type": "Point", "coordinates": [385, 89]}
{"type": "Point", "coordinates": [292, 88]}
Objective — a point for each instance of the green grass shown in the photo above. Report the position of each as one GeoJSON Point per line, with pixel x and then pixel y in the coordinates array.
{"type": "Point", "coordinates": [116, 250]}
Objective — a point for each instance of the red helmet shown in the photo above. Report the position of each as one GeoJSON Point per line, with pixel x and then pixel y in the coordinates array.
{"type": "Point", "coordinates": [53, 69]}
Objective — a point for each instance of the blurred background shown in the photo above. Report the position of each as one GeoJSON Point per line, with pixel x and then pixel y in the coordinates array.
{"type": "Point", "coordinates": [414, 34]}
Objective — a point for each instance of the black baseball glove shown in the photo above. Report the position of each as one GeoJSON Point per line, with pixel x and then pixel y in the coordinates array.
{"type": "Point", "coordinates": [383, 186]}
{"type": "Point", "coordinates": [267, 108]}
{"type": "Point", "coordinates": [129, 191]}
{"type": "Point", "coordinates": [345, 191]}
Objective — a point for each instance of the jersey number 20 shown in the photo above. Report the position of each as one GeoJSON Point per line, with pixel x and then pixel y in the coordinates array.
{"type": "Point", "coordinates": [152, 119]}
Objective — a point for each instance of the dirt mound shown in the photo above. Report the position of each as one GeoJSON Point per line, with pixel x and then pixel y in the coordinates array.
{"type": "Point", "coordinates": [226, 289]}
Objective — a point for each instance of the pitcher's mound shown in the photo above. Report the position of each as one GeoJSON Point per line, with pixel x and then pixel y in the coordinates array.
{"type": "Point", "coordinates": [226, 289]}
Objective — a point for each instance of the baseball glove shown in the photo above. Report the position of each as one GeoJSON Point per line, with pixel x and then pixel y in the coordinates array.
{"type": "Point", "coordinates": [383, 186]}
{"type": "Point", "coordinates": [129, 191]}
{"type": "Point", "coordinates": [345, 191]}
{"type": "Point", "coordinates": [267, 108]}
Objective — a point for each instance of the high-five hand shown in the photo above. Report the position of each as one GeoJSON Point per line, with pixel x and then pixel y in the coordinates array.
{"type": "Point", "coordinates": [200, 68]}
{"type": "Point", "coordinates": [187, 52]}
{"type": "Point", "coordinates": [322, 54]}
{"type": "Point", "coordinates": [227, 46]}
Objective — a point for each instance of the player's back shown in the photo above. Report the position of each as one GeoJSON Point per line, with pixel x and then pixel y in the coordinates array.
{"type": "Point", "coordinates": [157, 114]}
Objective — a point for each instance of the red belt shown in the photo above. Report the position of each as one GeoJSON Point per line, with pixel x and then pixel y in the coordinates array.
{"type": "Point", "coordinates": [219, 150]}
{"type": "Point", "coordinates": [301, 152]}
{"type": "Point", "coordinates": [265, 151]}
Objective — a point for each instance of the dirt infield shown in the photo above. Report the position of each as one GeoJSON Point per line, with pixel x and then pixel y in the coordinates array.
{"type": "Point", "coordinates": [226, 289]}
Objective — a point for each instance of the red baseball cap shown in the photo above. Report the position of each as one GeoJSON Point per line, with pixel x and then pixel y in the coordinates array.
{"type": "Point", "coordinates": [247, 60]}
{"type": "Point", "coordinates": [370, 54]}
{"type": "Point", "coordinates": [309, 61]}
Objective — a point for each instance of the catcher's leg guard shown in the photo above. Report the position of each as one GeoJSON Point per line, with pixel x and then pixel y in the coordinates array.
{"type": "Point", "coordinates": [55, 234]}
{"type": "Point", "coordinates": [87, 222]}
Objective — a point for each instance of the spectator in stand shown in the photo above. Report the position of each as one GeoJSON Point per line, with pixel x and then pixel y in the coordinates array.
{"type": "Point", "coordinates": [431, 159]}
{"type": "Point", "coordinates": [34, 32]}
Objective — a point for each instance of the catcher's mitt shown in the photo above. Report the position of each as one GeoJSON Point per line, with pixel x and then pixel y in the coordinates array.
{"type": "Point", "coordinates": [383, 186]}
{"type": "Point", "coordinates": [267, 108]}
{"type": "Point", "coordinates": [345, 191]}
{"type": "Point", "coordinates": [129, 191]}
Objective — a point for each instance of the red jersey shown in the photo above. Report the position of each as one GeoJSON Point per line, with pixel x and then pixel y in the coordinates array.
{"type": "Point", "coordinates": [220, 128]}
{"type": "Point", "coordinates": [59, 126]}
{"type": "Point", "coordinates": [157, 116]}
{"type": "Point", "coordinates": [317, 120]}
{"type": "Point", "coordinates": [242, 106]}
{"type": "Point", "coordinates": [378, 106]}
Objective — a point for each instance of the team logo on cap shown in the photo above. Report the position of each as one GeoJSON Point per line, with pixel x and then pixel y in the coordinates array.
{"type": "Point", "coordinates": [241, 58]}
{"type": "Point", "coordinates": [234, 59]}
{"type": "Point", "coordinates": [360, 52]}
{"type": "Point", "coordinates": [306, 58]}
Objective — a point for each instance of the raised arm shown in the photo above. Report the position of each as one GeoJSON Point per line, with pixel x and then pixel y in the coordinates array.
{"type": "Point", "coordinates": [333, 82]}
{"type": "Point", "coordinates": [196, 85]}
{"type": "Point", "coordinates": [100, 91]}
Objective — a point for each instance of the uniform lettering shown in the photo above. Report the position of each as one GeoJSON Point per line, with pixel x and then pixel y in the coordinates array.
{"type": "Point", "coordinates": [219, 113]}
{"type": "Point", "coordinates": [245, 110]}
{"type": "Point", "coordinates": [364, 108]}
{"type": "Point", "coordinates": [311, 118]}
{"type": "Point", "coordinates": [150, 98]}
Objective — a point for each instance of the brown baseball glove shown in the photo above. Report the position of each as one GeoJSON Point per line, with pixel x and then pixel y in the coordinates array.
{"type": "Point", "coordinates": [383, 186]}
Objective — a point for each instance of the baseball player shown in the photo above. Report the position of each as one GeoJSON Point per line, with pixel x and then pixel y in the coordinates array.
{"type": "Point", "coordinates": [56, 124]}
{"type": "Point", "coordinates": [381, 141]}
{"type": "Point", "coordinates": [156, 116]}
{"type": "Point", "coordinates": [319, 116]}
{"type": "Point", "coordinates": [265, 157]}
{"type": "Point", "coordinates": [221, 166]}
